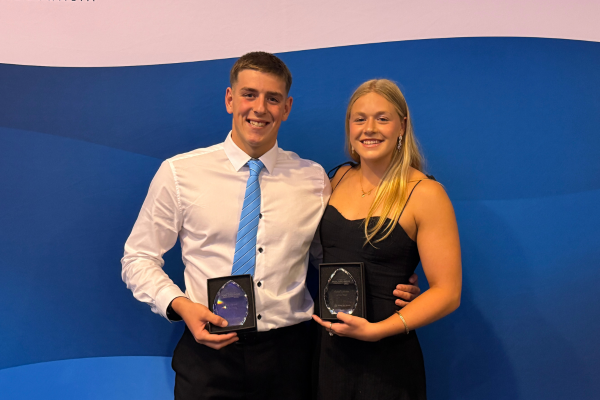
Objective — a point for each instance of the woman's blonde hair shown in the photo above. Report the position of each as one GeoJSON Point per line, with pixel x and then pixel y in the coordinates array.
{"type": "Point", "coordinates": [392, 191]}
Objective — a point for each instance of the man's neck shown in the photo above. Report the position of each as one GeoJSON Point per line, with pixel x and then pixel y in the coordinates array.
{"type": "Point", "coordinates": [254, 152]}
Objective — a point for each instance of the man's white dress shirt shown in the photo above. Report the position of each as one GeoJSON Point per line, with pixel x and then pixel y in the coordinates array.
{"type": "Point", "coordinates": [198, 197]}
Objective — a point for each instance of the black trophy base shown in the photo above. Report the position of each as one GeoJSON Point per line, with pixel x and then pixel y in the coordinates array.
{"type": "Point", "coordinates": [226, 298]}
{"type": "Point", "coordinates": [341, 287]}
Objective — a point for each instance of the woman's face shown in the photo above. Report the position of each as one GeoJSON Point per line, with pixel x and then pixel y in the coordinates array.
{"type": "Point", "coordinates": [375, 127]}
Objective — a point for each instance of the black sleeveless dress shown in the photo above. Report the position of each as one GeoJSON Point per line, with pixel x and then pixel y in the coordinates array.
{"type": "Point", "coordinates": [392, 368]}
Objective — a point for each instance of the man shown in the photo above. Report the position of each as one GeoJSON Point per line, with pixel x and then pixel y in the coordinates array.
{"type": "Point", "coordinates": [268, 201]}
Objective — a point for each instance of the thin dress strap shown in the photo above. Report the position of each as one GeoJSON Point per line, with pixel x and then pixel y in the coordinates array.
{"type": "Point", "coordinates": [337, 168]}
{"type": "Point", "coordinates": [334, 170]}
{"type": "Point", "coordinates": [410, 194]}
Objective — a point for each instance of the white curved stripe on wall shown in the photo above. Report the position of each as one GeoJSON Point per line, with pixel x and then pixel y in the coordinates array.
{"type": "Point", "coordinates": [84, 33]}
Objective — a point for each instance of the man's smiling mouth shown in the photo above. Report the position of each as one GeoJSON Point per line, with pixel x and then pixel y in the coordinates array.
{"type": "Point", "coordinates": [258, 124]}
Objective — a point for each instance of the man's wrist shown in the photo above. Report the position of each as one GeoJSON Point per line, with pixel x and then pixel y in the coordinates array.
{"type": "Point", "coordinates": [173, 315]}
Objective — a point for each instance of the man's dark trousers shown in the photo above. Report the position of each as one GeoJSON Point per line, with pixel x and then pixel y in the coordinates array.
{"type": "Point", "coordinates": [266, 365]}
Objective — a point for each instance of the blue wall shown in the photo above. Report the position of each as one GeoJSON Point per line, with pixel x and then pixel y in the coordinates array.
{"type": "Point", "coordinates": [508, 125]}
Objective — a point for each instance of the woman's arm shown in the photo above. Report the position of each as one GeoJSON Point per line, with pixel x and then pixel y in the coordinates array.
{"type": "Point", "coordinates": [439, 248]}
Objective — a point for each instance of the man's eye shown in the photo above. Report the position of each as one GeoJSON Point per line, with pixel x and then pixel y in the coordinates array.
{"type": "Point", "coordinates": [274, 100]}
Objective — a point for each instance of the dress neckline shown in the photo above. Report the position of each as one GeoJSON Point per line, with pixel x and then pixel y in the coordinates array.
{"type": "Point", "coordinates": [376, 216]}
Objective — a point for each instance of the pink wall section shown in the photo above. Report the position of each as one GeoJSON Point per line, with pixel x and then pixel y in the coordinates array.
{"type": "Point", "coordinates": [142, 32]}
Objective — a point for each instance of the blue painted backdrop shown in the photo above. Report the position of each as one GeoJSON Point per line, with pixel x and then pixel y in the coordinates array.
{"type": "Point", "coordinates": [508, 125]}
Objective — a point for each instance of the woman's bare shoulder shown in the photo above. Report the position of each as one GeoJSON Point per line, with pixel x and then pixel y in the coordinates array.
{"type": "Point", "coordinates": [339, 174]}
{"type": "Point", "coordinates": [428, 186]}
{"type": "Point", "coordinates": [430, 198]}
{"type": "Point", "coordinates": [416, 175]}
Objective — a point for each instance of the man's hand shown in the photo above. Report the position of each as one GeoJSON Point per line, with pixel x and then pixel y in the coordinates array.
{"type": "Point", "coordinates": [407, 293]}
{"type": "Point", "coordinates": [196, 316]}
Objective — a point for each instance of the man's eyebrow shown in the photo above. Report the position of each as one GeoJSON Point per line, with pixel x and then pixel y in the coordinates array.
{"type": "Point", "coordinates": [276, 94]}
{"type": "Point", "coordinates": [272, 94]}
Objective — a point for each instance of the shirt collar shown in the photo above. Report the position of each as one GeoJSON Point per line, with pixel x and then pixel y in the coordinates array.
{"type": "Point", "coordinates": [239, 158]}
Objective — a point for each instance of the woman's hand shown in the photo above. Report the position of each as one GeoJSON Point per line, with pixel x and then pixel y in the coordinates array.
{"type": "Point", "coordinates": [351, 326]}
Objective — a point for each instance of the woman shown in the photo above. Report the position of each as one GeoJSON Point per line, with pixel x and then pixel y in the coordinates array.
{"type": "Point", "coordinates": [388, 214]}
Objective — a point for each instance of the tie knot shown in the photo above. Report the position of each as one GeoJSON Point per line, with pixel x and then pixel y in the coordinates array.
{"type": "Point", "coordinates": [255, 166]}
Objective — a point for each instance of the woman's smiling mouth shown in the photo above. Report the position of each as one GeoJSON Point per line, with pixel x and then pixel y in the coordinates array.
{"type": "Point", "coordinates": [371, 142]}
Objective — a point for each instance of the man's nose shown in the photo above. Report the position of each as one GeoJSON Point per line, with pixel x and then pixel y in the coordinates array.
{"type": "Point", "coordinates": [260, 105]}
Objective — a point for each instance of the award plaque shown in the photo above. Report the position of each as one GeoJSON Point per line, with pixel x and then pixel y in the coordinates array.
{"type": "Point", "coordinates": [341, 289]}
{"type": "Point", "coordinates": [232, 298]}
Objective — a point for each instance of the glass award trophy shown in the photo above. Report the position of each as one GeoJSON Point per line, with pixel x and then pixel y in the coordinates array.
{"type": "Point", "coordinates": [232, 298]}
{"type": "Point", "coordinates": [231, 303]}
{"type": "Point", "coordinates": [341, 290]}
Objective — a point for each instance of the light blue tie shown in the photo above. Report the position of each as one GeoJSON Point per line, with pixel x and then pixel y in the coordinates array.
{"type": "Point", "coordinates": [245, 244]}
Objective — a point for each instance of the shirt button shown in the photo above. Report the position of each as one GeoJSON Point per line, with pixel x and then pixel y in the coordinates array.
{"type": "Point", "coordinates": [260, 249]}
{"type": "Point", "coordinates": [259, 316]}
{"type": "Point", "coordinates": [259, 284]}
{"type": "Point", "coordinates": [260, 216]}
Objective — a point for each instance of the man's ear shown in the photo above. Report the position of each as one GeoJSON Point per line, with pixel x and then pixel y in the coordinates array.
{"type": "Point", "coordinates": [229, 100]}
{"type": "Point", "coordinates": [287, 108]}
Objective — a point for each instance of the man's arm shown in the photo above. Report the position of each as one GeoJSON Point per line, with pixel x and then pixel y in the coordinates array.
{"type": "Point", "coordinates": [154, 233]}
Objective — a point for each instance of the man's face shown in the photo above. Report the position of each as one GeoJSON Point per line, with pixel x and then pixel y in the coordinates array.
{"type": "Point", "coordinates": [258, 103]}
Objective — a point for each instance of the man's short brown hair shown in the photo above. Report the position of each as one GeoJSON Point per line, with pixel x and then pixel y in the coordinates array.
{"type": "Point", "coordinates": [262, 62]}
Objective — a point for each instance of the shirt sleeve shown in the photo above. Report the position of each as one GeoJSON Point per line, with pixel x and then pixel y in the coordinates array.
{"type": "Point", "coordinates": [315, 253]}
{"type": "Point", "coordinates": [154, 233]}
{"type": "Point", "coordinates": [326, 189]}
